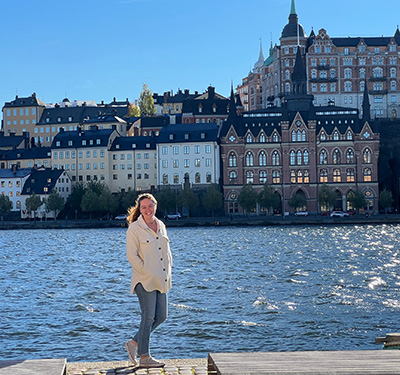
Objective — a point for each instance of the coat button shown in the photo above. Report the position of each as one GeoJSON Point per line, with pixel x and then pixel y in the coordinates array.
{"type": "Point", "coordinates": [157, 238]}
{"type": "Point", "coordinates": [161, 258]}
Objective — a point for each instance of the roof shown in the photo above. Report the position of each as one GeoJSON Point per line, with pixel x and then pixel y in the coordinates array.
{"type": "Point", "coordinates": [41, 178]}
{"type": "Point", "coordinates": [26, 153]}
{"type": "Point", "coordinates": [12, 140]}
{"type": "Point", "coordinates": [105, 118]}
{"type": "Point", "coordinates": [19, 173]}
{"type": "Point", "coordinates": [133, 143]}
{"type": "Point", "coordinates": [177, 133]}
{"type": "Point", "coordinates": [30, 101]}
{"type": "Point", "coordinates": [207, 102]}
{"type": "Point", "coordinates": [74, 138]}
{"type": "Point", "coordinates": [355, 41]}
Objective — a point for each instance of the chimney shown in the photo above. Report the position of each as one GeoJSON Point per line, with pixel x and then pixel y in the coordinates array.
{"type": "Point", "coordinates": [211, 92]}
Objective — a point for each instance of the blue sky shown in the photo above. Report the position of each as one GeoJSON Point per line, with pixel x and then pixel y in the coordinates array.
{"type": "Point", "coordinates": [101, 49]}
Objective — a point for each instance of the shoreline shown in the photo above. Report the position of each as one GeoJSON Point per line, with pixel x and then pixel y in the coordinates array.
{"type": "Point", "coordinates": [208, 222]}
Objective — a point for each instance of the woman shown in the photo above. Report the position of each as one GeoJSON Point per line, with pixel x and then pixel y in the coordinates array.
{"type": "Point", "coordinates": [147, 248]}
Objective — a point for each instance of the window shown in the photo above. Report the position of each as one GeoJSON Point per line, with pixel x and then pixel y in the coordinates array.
{"type": "Point", "coordinates": [336, 156]}
{"type": "Point", "coordinates": [208, 162]}
{"type": "Point", "coordinates": [299, 157]}
{"type": "Point", "coordinates": [336, 175]}
{"type": "Point", "coordinates": [175, 150]}
{"type": "Point", "coordinates": [208, 149]}
{"type": "Point", "coordinates": [367, 175]}
{"type": "Point", "coordinates": [208, 177]}
{"type": "Point", "coordinates": [323, 176]}
{"type": "Point", "coordinates": [232, 176]}
{"type": "Point", "coordinates": [186, 149]}
{"type": "Point", "coordinates": [249, 177]}
{"type": "Point", "coordinates": [292, 177]}
{"type": "Point", "coordinates": [197, 163]}
{"type": "Point", "coordinates": [197, 178]}
{"type": "Point", "coordinates": [306, 176]}
{"type": "Point", "coordinates": [176, 178]}
{"type": "Point", "coordinates": [293, 136]}
{"type": "Point", "coordinates": [335, 136]}
{"type": "Point", "coordinates": [262, 138]}
{"type": "Point", "coordinates": [347, 73]}
{"type": "Point", "coordinates": [350, 175]}
{"type": "Point", "coordinates": [377, 73]}
{"type": "Point", "coordinates": [392, 72]}
{"type": "Point", "coordinates": [164, 150]}
{"type": "Point", "coordinates": [275, 138]}
{"type": "Point", "coordinates": [186, 163]}
{"type": "Point", "coordinates": [276, 177]}
{"type": "Point", "coordinates": [275, 158]}
{"type": "Point", "coordinates": [249, 139]}
{"type": "Point", "coordinates": [292, 158]}
{"type": "Point", "coordinates": [323, 157]}
{"type": "Point", "coordinates": [349, 156]}
{"type": "Point", "coordinates": [367, 155]}
{"type": "Point", "coordinates": [249, 159]}
{"type": "Point", "coordinates": [347, 86]}
{"type": "Point", "coordinates": [165, 179]}
{"type": "Point", "coordinates": [197, 149]}
{"type": "Point", "coordinates": [262, 159]}
{"type": "Point", "coordinates": [393, 85]}
{"type": "Point", "coordinates": [263, 177]}
{"type": "Point", "coordinates": [305, 157]}
{"type": "Point", "coordinates": [232, 160]}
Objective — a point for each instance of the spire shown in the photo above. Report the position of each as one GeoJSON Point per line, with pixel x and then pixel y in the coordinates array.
{"type": "Point", "coordinates": [232, 105]}
{"type": "Point", "coordinates": [292, 8]}
{"type": "Point", "coordinates": [261, 56]}
{"type": "Point", "coordinates": [299, 75]}
{"type": "Point", "coordinates": [397, 33]}
{"type": "Point", "coordinates": [366, 106]}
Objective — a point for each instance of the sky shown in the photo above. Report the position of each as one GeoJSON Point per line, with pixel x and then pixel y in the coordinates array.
{"type": "Point", "coordinates": [101, 49]}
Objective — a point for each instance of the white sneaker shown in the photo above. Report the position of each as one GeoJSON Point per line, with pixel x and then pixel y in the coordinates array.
{"type": "Point", "coordinates": [150, 362]}
{"type": "Point", "coordinates": [131, 348]}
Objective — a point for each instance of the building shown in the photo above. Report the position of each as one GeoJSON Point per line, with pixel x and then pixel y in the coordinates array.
{"type": "Point", "coordinates": [337, 70]}
{"type": "Point", "coordinates": [188, 153]}
{"type": "Point", "coordinates": [25, 157]}
{"type": "Point", "coordinates": [299, 147]}
{"type": "Point", "coordinates": [12, 182]}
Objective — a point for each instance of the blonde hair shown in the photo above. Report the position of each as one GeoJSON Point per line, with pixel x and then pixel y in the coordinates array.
{"type": "Point", "coordinates": [134, 211]}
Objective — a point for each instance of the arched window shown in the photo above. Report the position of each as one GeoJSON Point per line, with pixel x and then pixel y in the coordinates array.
{"type": "Point", "coordinates": [393, 85]}
{"type": "Point", "coordinates": [306, 177]}
{"type": "Point", "coordinates": [275, 158]}
{"type": "Point", "coordinates": [362, 73]}
{"type": "Point", "coordinates": [287, 87]}
{"type": "Point", "coordinates": [305, 157]}
{"type": "Point", "coordinates": [276, 177]}
{"type": "Point", "coordinates": [262, 159]}
{"type": "Point", "coordinates": [377, 72]}
{"type": "Point", "coordinates": [367, 174]}
{"type": "Point", "coordinates": [165, 179]}
{"type": "Point", "coordinates": [303, 136]}
{"type": "Point", "coordinates": [293, 177]}
{"type": "Point", "coordinates": [249, 138]}
{"type": "Point", "coordinates": [335, 136]}
{"type": "Point", "coordinates": [249, 177]}
{"type": "Point", "coordinates": [392, 72]}
{"type": "Point", "coordinates": [367, 155]}
{"type": "Point", "coordinates": [349, 136]}
{"type": "Point", "coordinates": [323, 157]}
{"type": "Point", "coordinates": [275, 138]}
{"type": "Point", "coordinates": [262, 138]}
{"type": "Point", "coordinates": [293, 136]}
{"type": "Point", "coordinates": [18, 205]}
{"type": "Point", "coordinates": [362, 86]}
{"type": "Point", "coordinates": [232, 176]}
{"type": "Point", "coordinates": [336, 175]}
{"type": "Point", "coordinates": [323, 175]}
{"type": "Point", "coordinates": [176, 178]}
{"type": "Point", "coordinates": [350, 175]}
{"type": "Point", "coordinates": [299, 177]}
{"type": "Point", "coordinates": [347, 73]}
{"type": "Point", "coordinates": [208, 177]}
{"type": "Point", "coordinates": [299, 157]}
{"type": "Point", "coordinates": [292, 158]}
{"type": "Point", "coordinates": [298, 136]}
{"type": "Point", "coordinates": [349, 156]}
{"type": "Point", "coordinates": [197, 178]}
{"type": "Point", "coordinates": [336, 156]}
{"type": "Point", "coordinates": [249, 159]}
{"type": "Point", "coordinates": [263, 177]}
{"type": "Point", "coordinates": [232, 160]}
{"type": "Point", "coordinates": [287, 75]}
{"type": "Point", "coordinates": [323, 136]}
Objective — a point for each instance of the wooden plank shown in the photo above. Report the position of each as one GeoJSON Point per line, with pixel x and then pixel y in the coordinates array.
{"type": "Point", "coordinates": [34, 366]}
{"type": "Point", "coordinates": [358, 362]}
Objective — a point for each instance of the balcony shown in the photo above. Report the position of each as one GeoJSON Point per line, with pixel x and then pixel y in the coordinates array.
{"type": "Point", "coordinates": [379, 79]}
{"type": "Point", "coordinates": [323, 80]}
{"type": "Point", "coordinates": [378, 92]}
{"type": "Point", "coordinates": [323, 67]}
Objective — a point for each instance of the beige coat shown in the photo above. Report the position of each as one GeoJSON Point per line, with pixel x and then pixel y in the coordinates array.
{"type": "Point", "coordinates": [149, 255]}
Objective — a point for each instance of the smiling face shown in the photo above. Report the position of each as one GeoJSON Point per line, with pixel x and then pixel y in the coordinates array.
{"type": "Point", "coordinates": [148, 209]}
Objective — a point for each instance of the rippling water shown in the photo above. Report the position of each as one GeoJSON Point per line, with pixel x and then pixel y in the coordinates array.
{"type": "Point", "coordinates": [65, 293]}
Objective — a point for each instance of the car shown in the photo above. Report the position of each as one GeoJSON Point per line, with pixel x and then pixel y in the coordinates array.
{"type": "Point", "coordinates": [301, 213]}
{"type": "Point", "coordinates": [120, 217]}
{"type": "Point", "coordinates": [173, 216]}
{"type": "Point", "coordinates": [339, 214]}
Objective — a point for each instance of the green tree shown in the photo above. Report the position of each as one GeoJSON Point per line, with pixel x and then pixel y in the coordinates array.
{"type": "Point", "coordinates": [247, 198]}
{"type": "Point", "coordinates": [75, 199]}
{"type": "Point", "coordinates": [108, 202]}
{"type": "Point", "coordinates": [146, 102]}
{"type": "Point", "coordinates": [326, 197]}
{"type": "Point", "coordinates": [188, 199]}
{"type": "Point", "coordinates": [54, 202]}
{"type": "Point", "coordinates": [267, 198]}
{"type": "Point", "coordinates": [386, 199]}
{"type": "Point", "coordinates": [5, 206]}
{"type": "Point", "coordinates": [90, 202]}
{"type": "Point", "coordinates": [133, 110]}
{"type": "Point", "coordinates": [356, 199]}
{"type": "Point", "coordinates": [298, 201]}
{"type": "Point", "coordinates": [32, 204]}
{"type": "Point", "coordinates": [166, 199]}
{"type": "Point", "coordinates": [128, 200]}
{"type": "Point", "coordinates": [212, 199]}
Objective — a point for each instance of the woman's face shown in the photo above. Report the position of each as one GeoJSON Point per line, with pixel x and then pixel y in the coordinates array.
{"type": "Point", "coordinates": [148, 208]}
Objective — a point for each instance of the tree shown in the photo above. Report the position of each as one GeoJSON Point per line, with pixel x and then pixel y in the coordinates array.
{"type": "Point", "coordinates": [212, 199]}
{"type": "Point", "coordinates": [133, 110]}
{"type": "Point", "coordinates": [326, 197]}
{"type": "Point", "coordinates": [146, 102]}
{"type": "Point", "coordinates": [128, 199]}
{"type": "Point", "coordinates": [5, 205]}
{"type": "Point", "coordinates": [32, 204]}
{"type": "Point", "coordinates": [90, 202]}
{"type": "Point", "coordinates": [357, 199]}
{"type": "Point", "coordinates": [188, 199]}
{"type": "Point", "coordinates": [166, 199]}
{"type": "Point", "coordinates": [54, 202]}
{"type": "Point", "coordinates": [386, 199]}
{"type": "Point", "coordinates": [298, 201]}
{"type": "Point", "coordinates": [267, 198]}
{"type": "Point", "coordinates": [108, 202]}
{"type": "Point", "coordinates": [247, 198]}
{"type": "Point", "coordinates": [75, 199]}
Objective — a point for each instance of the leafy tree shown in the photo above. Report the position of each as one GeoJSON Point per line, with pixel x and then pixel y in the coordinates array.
{"type": "Point", "coordinates": [128, 200]}
{"type": "Point", "coordinates": [75, 199]}
{"type": "Point", "coordinates": [297, 201]}
{"type": "Point", "coordinates": [386, 199]}
{"type": "Point", "coordinates": [108, 202]}
{"type": "Point", "coordinates": [90, 202]}
{"type": "Point", "coordinates": [267, 198]}
{"type": "Point", "coordinates": [187, 198]}
{"type": "Point", "coordinates": [326, 197]}
{"type": "Point", "coordinates": [133, 110]}
{"type": "Point", "coordinates": [146, 102]}
{"type": "Point", "coordinates": [247, 198]}
{"type": "Point", "coordinates": [32, 203]}
{"type": "Point", "coordinates": [54, 202]}
{"type": "Point", "coordinates": [166, 199]}
{"type": "Point", "coordinates": [212, 199]}
{"type": "Point", "coordinates": [357, 199]}
{"type": "Point", "coordinates": [5, 205]}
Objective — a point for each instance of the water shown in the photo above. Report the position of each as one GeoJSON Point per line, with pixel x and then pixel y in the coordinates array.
{"type": "Point", "coordinates": [65, 293]}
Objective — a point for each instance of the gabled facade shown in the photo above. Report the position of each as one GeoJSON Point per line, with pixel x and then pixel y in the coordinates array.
{"type": "Point", "coordinates": [188, 153]}
{"type": "Point", "coordinates": [12, 182]}
{"type": "Point", "coordinates": [26, 157]}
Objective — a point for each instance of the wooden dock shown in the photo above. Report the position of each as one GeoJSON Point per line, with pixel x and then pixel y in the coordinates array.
{"type": "Point", "coordinates": [357, 362]}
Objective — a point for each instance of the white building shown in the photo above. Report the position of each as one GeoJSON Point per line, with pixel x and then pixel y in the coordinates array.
{"type": "Point", "coordinates": [11, 184]}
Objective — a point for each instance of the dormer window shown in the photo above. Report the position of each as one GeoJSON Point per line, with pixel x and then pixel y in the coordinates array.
{"type": "Point", "coordinates": [203, 135]}
{"type": "Point", "coordinates": [83, 142]}
{"type": "Point", "coordinates": [171, 137]}
{"type": "Point", "coordinates": [148, 145]}
{"type": "Point", "coordinates": [133, 145]}
{"type": "Point", "coordinates": [117, 147]}
{"type": "Point", "coordinates": [200, 108]}
{"type": "Point", "coordinates": [70, 118]}
{"type": "Point", "coordinates": [335, 136]}
{"type": "Point", "coordinates": [249, 139]}
{"type": "Point", "coordinates": [69, 143]}
{"type": "Point", "coordinates": [187, 136]}
{"type": "Point", "coordinates": [91, 141]}
{"type": "Point", "coordinates": [58, 143]}
{"type": "Point", "coordinates": [214, 108]}
{"type": "Point", "coordinates": [98, 141]}
{"type": "Point", "coordinates": [58, 119]}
